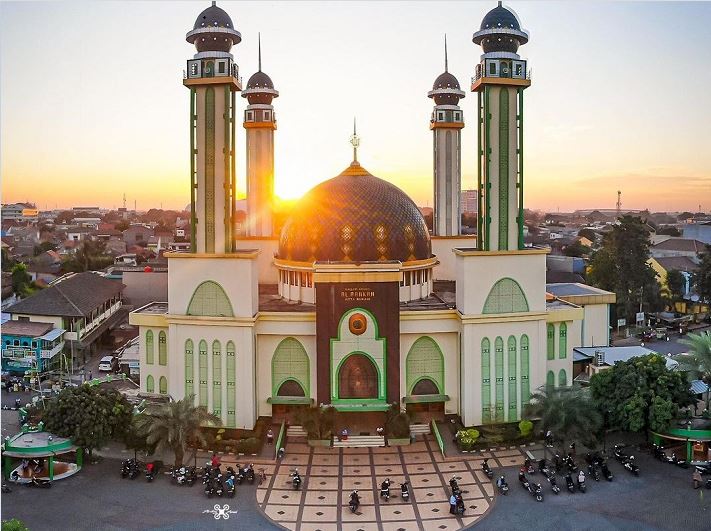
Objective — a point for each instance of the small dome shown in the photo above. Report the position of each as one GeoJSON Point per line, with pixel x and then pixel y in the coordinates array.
{"type": "Point", "coordinates": [213, 16]}
{"type": "Point", "coordinates": [500, 17]}
{"type": "Point", "coordinates": [213, 31]}
{"type": "Point", "coordinates": [260, 80]}
{"type": "Point", "coordinates": [355, 217]}
{"type": "Point", "coordinates": [445, 81]}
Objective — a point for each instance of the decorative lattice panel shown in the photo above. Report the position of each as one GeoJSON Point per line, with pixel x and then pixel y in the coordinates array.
{"type": "Point", "coordinates": [149, 347]}
{"type": "Point", "coordinates": [290, 362]}
{"type": "Point", "coordinates": [231, 389]}
{"type": "Point", "coordinates": [210, 299]}
{"type": "Point", "coordinates": [506, 297]}
{"type": "Point", "coordinates": [513, 388]}
{"type": "Point", "coordinates": [485, 381]}
{"type": "Point", "coordinates": [216, 378]}
{"type": "Point", "coordinates": [189, 367]}
{"type": "Point", "coordinates": [425, 360]}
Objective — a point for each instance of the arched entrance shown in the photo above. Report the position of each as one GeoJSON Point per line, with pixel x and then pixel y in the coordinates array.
{"type": "Point", "coordinates": [425, 387]}
{"type": "Point", "coordinates": [291, 388]}
{"type": "Point", "coordinates": [358, 377]}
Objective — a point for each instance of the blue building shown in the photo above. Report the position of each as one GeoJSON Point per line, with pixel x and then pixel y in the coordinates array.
{"type": "Point", "coordinates": [698, 231]}
{"type": "Point", "coordinates": [30, 345]}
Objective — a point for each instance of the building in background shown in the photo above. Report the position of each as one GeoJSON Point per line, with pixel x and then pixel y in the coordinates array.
{"type": "Point", "coordinates": [469, 202]}
{"type": "Point", "coordinates": [23, 212]}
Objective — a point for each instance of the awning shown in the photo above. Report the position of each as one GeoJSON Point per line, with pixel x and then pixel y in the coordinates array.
{"type": "Point", "coordinates": [290, 400]}
{"type": "Point", "coordinates": [423, 399]}
{"type": "Point", "coordinates": [698, 387]}
{"type": "Point", "coordinates": [52, 334]}
{"type": "Point", "coordinates": [377, 406]}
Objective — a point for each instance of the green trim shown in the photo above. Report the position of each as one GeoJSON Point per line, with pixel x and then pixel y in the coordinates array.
{"type": "Point", "coordinates": [162, 348]}
{"type": "Point", "coordinates": [343, 405]}
{"type": "Point", "coordinates": [150, 356]}
{"type": "Point", "coordinates": [202, 372]}
{"type": "Point", "coordinates": [425, 399]}
{"type": "Point", "coordinates": [550, 379]}
{"type": "Point", "coordinates": [209, 170]}
{"type": "Point", "coordinates": [193, 182]}
{"type": "Point", "coordinates": [695, 435]}
{"type": "Point", "coordinates": [227, 188]}
{"type": "Point", "coordinates": [499, 370]}
{"type": "Point", "coordinates": [503, 169]}
{"type": "Point", "coordinates": [525, 369]}
{"type": "Point", "coordinates": [381, 381]}
{"type": "Point", "coordinates": [290, 346]}
{"type": "Point", "coordinates": [231, 390]}
{"type": "Point", "coordinates": [210, 299]}
{"type": "Point", "coordinates": [280, 438]}
{"type": "Point", "coordinates": [427, 351]}
{"type": "Point", "coordinates": [438, 437]}
{"type": "Point", "coordinates": [163, 385]}
{"type": "Point", "coordinates": [480, 186]}
{"type": "Point", "coordinates": [58, 445]}
{"type": "Point", "coordinates": [487, 176]}
{"type": "Point", "coordinates": [150, 384]}
{"type": "Point", "coordinates": [562, 341]}
{"type": "Point", "coordinates": [290, 400]}
{"type": "Point", "coordinates": [217, 378]}
{"type": "Point", "coordinates": [550, 341]}
{"type": "Point", "coordinates": [506, 296]}
{"type": "Point", "coordinates": [189, 367]}
{"type": "Point", "coordinates": [513, 381]}
{"type": "Point", "coordinates": [485, 381]}
{"type": "Point", "coordinates": [521, 219]}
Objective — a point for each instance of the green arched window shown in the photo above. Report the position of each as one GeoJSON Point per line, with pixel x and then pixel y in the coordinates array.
{"type": "Point", "coordinates": [425, 361]}
{"type": "Point", "coordinates": [202, 366]}
{"type": "Point", "coordinates": [562, 378]}
{"type": "Point", "coordinates": [563, 341]}
{"type": "Point", "coordinates": [525, 382]}
{"type": "Point", "coordinates": [211, 300]}
{"type": "Point", "coordinates": [499, 368]}
{"type": "Point", "coordinates": [149, 347]}
{"type": "Point", "coordinates": [162, 349]}
{"type": "Point", "coordinates": [290, 362]}
{"type": "Point", "coordinates": [150, 384]}
{"type": "Point", "coordinates": [485, 381]}
{"type": "Point", "coordinates": [231, 389]}
{"type": "Point", "coordinates": [550, 379]}
{"type": "Point", "coordinates": [217, 378]}
{"type": "Point", "coordinates": [163, 385]}
{"type": "Point", "coordinates": [550, 341]}
{"type": "Point", "coordinates": [506, 297]}
{"type": "Point", "coordinates": [513, 399]}
{"type": "Point", "coordinates": [189, 368]}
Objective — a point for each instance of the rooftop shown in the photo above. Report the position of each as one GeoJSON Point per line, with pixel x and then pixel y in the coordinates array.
{"type": "Point", "coordinates": [574, 289]}
{"type": "Point", "coordinates": [153, 308]}
{"type": "Point", "coordinates": [681, 244]}
{"type": "Point", "coordinates": [680, 263]}
{"type": "Point", "coordinates": [26, 328]}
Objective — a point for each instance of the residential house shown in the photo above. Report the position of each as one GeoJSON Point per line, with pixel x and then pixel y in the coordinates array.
{"type": "Point", "coordinates": [137, 235]}
{"type": "Point", "coordinates": [77, 234]}
{"type": "Point", "coordinates": [687, 266]}
{"type": "Point", "coordinates": [30, 345]}
{"type": "Point", "coordinates": [678, 247]}
{"type": "Point", "coordinates": [699, 231]}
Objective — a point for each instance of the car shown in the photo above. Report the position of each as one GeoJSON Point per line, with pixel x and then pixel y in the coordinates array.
{"type": "Point", "coordinates": [107, 364]}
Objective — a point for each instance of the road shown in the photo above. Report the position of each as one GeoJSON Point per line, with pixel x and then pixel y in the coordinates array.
{"type": "Point", "coordinates": [673, 346]}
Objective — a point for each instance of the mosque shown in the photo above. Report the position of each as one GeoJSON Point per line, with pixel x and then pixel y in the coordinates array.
{"type": "Point", "coordinates": [355, 304]}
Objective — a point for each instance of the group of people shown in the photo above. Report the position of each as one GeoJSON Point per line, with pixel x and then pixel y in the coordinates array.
{"type": "Point", "coordinates": [456, 502]}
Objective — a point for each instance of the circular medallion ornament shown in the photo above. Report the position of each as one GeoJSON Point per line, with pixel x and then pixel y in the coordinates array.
{"type": "Point", "coordinates": [357, 324]}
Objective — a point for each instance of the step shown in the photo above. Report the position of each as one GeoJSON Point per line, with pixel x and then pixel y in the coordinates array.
{"type": "Point", "coordinates": [296, 431]}
{"type": "Point", "coordinates": [360, 441]}
{"type": "Point", "coordinates": [420, 429]}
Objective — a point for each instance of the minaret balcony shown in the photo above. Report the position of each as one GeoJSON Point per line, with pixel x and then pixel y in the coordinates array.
{"type": "Point", "coordinates": [209, 71]}
{"type": "Point", "coordinates": [501, 72]}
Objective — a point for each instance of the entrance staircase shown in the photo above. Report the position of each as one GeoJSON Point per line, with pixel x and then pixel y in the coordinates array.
{"type": "Point", "coordinates": [295, 431]}
{"type": "Point", "coordinates": [420, 429]}
{"type": "Point", "coordinates": [360, 441]}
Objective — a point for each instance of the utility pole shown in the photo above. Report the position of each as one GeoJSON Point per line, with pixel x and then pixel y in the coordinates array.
{"type": "Point", "coordinates": [124, 200]}
{"type": "Point", "coordinates": [619, 203]}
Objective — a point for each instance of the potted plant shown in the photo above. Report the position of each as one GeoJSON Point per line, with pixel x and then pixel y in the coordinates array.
{"type": "Point", "coordinates": [397, 427]}
{"type": "Point", "coordinates": [318, 423]}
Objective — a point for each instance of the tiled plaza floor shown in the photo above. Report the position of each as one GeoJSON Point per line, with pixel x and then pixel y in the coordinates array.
{"type": "Point", "coordinates": [329, 475]}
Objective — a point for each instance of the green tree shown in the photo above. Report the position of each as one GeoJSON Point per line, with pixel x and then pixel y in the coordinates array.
{"type": "Point", "coordinates": [7, 261]}
{"type": "Point", "coordinates": [14, 525]}
{"type": "Point", "coordinates": [640, 394]}
{"type": "Point", "coordinates": [669, 231]}
{"type": "Point", "coordinates": [576, 249]}
{"type": "Point", "coordinates": [587, 233]}
{"type": "Point", "coordinates": [90, 255]}
{"type": "Point", "coordinates": [568, 412]}
{"type": "Point", "coordinates": [698, 360]}
{"type": "Point", "coordinates": [42, 247]}
{"type": "Point", "coordinates": [90, 416]}
{"type": "Point", "coordinates": [175, 425]}
{"type": "Point", "coordinates": [702, 278]}
{"type": "Point", "coordinates": [21, 280]}
{"type": "Point", "coordinates": [676, 284]}
{"type": "Point", "coordinates": [621, 266]}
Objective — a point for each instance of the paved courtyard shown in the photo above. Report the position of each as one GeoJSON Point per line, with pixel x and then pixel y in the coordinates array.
{"type": "Point", "coordinates": [331, 474]}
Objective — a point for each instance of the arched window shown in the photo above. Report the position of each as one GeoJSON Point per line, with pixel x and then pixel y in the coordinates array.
{"type": "Point", "coordinates": [513, 399]}
{"type": "Point", "coordinates": [163, 385]}
{"type": "Point", "coordinates": [216, 378]}
{"type": "Point", "coordinates": [525, 382]}
{"type": "Point", "coordinates": [425, 360]}
{"type": "Point", "coordinates": [202, 366]}
{"type": "Point", "coordinates": [358, 377]}
{"type": "Point", "coordinates": [149, 347]}
{"type": "Point", "coordinates": [550, 341]}
{"type": "Point", "coordinates": [485, 381]}
{"type": "Point", "coordinates": [563, 341]}
{"type": "Point", "coordinates": [162, 349]}
{"type": "Point", "coordinates": [189, 368]}
{"type": "Point", "coordinates": [499, 367]}
{"type": "Point", "coordinates": [231, 390]}
{"type": "Point", "coordinates": [290, 362]}
{"type": "Point", "coordinates": [506, 296]}
{"type": "Point", "coordinates": [211, 300]}
{"type": "Point", "coordinates": [562, 378]}
{"type": "Point", "coordinates": [550, 379]}
{"type": "Point", "coordinates": [150, 384]}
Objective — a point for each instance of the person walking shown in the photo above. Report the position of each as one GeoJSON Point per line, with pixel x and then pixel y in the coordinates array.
{"type": "Point", "coordinates": [270, 436]}
{"type": "Point", "coordinates": [452, 504]}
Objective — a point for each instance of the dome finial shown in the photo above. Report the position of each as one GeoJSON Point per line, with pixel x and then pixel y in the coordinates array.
{"type": "Point", "coordinates": [446, 64]}
{"type": "Point", "coordinates": [215, 3]}
{"type": "Point", "coordinates": [500, 2]}
{"type": "Point", "coordinates": [259, 45]}
{"type": "Point", "coordinates": [355, 142]}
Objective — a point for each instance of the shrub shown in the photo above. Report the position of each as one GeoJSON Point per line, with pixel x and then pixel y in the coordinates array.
{"type": "Point", "coordinates": [14, 525]}
{"type": "Point", "coordinates": [467, 438]}
{"type": "Point", "coordinates": [397, 423]}
{"type": "Point", "coordinates": [250, 445]}
{"type": "Point", "coordinates": [525, 427]}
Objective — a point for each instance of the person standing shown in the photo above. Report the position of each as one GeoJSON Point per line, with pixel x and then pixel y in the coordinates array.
{"type": "Point", "coordinates": [452, 504]}
{"type": "Point", "coordinates": [270, 436]}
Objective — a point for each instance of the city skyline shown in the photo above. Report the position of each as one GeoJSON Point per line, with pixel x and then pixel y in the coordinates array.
{"type": "Point", "coordinates": [73, 112]}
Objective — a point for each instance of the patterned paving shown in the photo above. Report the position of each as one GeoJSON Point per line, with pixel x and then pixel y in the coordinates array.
{"type": "Point", "coordinates": [331, 474]}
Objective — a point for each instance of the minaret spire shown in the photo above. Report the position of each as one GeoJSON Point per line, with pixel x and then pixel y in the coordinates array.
{"type": "Point", "coordinates": [446, 63]}
{"type": "Point", "coordinates": [355, 142]}
{"type": "Point", "coordinates": [259, 44]}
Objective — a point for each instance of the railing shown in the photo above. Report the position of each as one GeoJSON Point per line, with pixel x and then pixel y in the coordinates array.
{"type": "Point", "coordinates": [440, 442]}
{"type": "Point", "coordinates": [46, 354]}
{"type": "Point", "coordinates": [100, 319]}
{"type": "Point", "coordinates": [18, 352]}
{"type": "Point", "coordinates": [482, 74]}
{"type": "Point", "coordinates": [280, 439]}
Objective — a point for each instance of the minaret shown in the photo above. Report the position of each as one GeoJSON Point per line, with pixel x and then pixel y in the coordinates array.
{"type": "Point", "coordinates": [260, 123]}
{"type": "Point", "coordinates": [501, 77]}
{"type": "Point", "coordinates": [446, 123]}
{"type": "Point", "coordinates": [213, 79]}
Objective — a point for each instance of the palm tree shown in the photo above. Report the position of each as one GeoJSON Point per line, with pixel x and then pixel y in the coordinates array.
{"type": "Point", "coordinates": [173, 425]}
{"type": "Point", "coordinates": [568, 412]}
{"type": "Point", "coordinates": [698, 360]}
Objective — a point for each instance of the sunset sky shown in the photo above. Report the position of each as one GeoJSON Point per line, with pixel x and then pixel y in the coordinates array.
{"type": "Point", "coordinates": [92, 102]}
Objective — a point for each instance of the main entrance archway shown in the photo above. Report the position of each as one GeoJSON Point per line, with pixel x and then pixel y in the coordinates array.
{"type": "Point", "coordinates": [358, 377]}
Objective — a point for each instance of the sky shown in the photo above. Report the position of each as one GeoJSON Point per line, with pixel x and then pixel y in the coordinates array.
{"type": "Point", "coordinates": [92, 104]}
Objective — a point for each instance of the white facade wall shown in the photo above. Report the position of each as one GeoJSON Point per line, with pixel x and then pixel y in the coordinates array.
{"type": "Point", "coordinates": [446, 268]}
{"type": "Point", "coordinates": [268, 248]}
{"type": "Point", "coordinates": [595, 329]}
{"type": "Point", "coordinates": [156, 370]}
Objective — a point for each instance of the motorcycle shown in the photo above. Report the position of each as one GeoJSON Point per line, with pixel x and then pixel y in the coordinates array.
{"type": "Point", "coordinates": [134, 469]}
{"type": "Point", "coordinates": [209, 487]}
{"type": "Point", "coordinates": [296, 480]}
{"type": "Point", "coordinates": [487, 469]}
{"type": "Point", "coordinates": [125, 468]}
{"type": "Point", "coordinates": [529, 467]}
{"type": "Point", "coordinates": [230, 484]}
{"type": "Point", "coordinates": [704, 469]}
{"type": "Point", "coordinates": [5, 489]}
{"type": "Point", "coordinates": [385, 490]}
{"type": "Point", "coordinates": [454, 486]}
{"type": "Point", "coordinates": [354, 502]}
{"type": "Point", "coordinates": [503, 486]}
{"type": "Point", "coordinates": [606, 472]}
{"type": "Point", "coordinates": [219, 486]}
{"type": "Point", "coordinates": [404, 491]}
{"type": "Point", "coordinates": [581, 482]}
{"type": "Point", "coordinates": [674, 460]}
{"type": "Point", "coordinates": [249, 473]}
{"type": "Point", "coordinates": [619, 454]}
{"type": "Point", "coordinates": [240, 476]}
{"type": "Point", "coordinates": [630, 466]}
{"type": "Point", "coordinates": [568, 461]}
{"type": "Point", "coordinates": [658, 452]}
{"type": "Point", "coordinates": [593, 472]}
{"type": "Point", "coordinates": [569, 483]}
{"type": "Point", "coordinates": [554, 485]}
{"type": "Point", "coordinates": [151, 471]}
{"type": "Point", "coordinates": [40, 483]}
{"type": "Point", "coordinates": [460, 504]}
{"type": "Point", "coordinates": [558, 463]}
{"type": "Point", "coordinates": [537, 492]}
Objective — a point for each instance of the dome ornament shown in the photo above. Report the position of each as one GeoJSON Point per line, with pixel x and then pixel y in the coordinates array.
{"type": "Point", "coordinates": [355, 142]}
{"type": "Point", "coordinates": [446, 62]}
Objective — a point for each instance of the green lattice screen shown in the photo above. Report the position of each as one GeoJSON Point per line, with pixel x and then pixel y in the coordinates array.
{"type": "Point", "coordinates": [499, 366]}
{"type": "Point", "coordinates": [550, 341]}
{"type": "Point", "coordinates": [506, 297]}
{"type": "Point", "coordinates": [231, 411]}
{"type": "Point", "coordinates": [216, 378]}
{"type": "Point", "coordinates": [485, 381]}
{"type": "Point", "coordinates": [189, 368]}
{"type": "Point", "coordinates": [513, 399]}
{"type": "Point", "coordinates": [210, 299]}
{"type": "Point", "coordinates": [550, 379]}
{"type": "Point", "coordinates": [562, 379]}
{"type": "Point", "coordinates": [290, 362]}
{"type": "Point", "coordinates": [525, 382]}
{"type": "Point", "coordinates": [425, 360]}
{"type": "Point", "coordinates": [149, 347]}
{"type": "Point", "coordinates": [162, 349]}
{"type": "Point", "coordinates": [202, 365]}
{"type": "Point", "coordinates": [563, 341]}
{"type": "Point", "coordinates": [150, 384]}
{"type": "Point", "coordinates": [163, 385]}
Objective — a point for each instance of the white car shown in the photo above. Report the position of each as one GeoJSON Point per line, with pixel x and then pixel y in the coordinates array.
{"type": "Point", "coordinates": [107, 364]}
